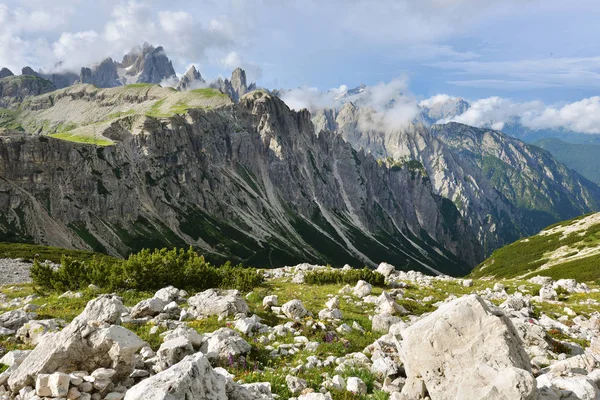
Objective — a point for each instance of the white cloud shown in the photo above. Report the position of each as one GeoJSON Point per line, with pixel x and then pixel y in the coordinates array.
{"type": "Point", "coordinates": [388, 105]}
{"type": "Point", "coordinates": [312, 98]}
{"type": "Point", "coordinates": [580, 116]}
{"type": "Point", "coordinates": [233, 60]}
{"type": "Point", "coordinates": [438, 99]}
{"type": "Point", "coordinates": [185, 36]}
{"type": "Point", "coordinates": [495, 112]}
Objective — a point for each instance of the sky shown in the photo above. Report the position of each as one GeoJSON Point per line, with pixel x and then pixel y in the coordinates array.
{"type": "Point", "coordinates": [540, 54]}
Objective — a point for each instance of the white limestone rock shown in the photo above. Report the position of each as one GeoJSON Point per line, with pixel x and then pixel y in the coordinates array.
{"type": "Point", "coordinates": [463, 350]}
{"type": "Point", "coordinates": [294, 309]}
{"type": "Point", "coordinates": [191, 378]}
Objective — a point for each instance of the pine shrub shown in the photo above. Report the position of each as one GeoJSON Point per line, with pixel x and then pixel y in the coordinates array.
{"type": "Point", "coordinates": [338, 276]}
{"type": "Point", "coordinates": [146, 271]}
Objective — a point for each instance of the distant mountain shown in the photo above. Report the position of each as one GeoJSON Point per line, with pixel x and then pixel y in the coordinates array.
{"type": "Point", "coordinates": [145, 64]}
{"type": "Point", "coordinates": [567, 250]}
{"type": "Point", "coordinates": [583, 158]}
{"type": "Point", "coordinates": [504, 188]}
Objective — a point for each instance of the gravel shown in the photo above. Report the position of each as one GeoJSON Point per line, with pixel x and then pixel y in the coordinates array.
{"type": "Point", "coordinates": [14, 271]}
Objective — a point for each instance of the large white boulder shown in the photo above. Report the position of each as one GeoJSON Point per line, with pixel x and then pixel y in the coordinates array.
{"type": "Point", "coordinates": [90, 341]}
{"type": "Point", "coordinates": [15, 319]}
{"type": "Point", "coordinates": [174, 350]}
{"type": "Point", "coordinates": [385, 269]}
{"type": "Point", "coordinates": [223, 303]}
{"type": "Point", "coordinates": [464, 350]}
{"type": "Point", "coordinates": [224, 345]}
{"type": "Point", "coordinates": [294, 309]}
{"type": "Point", "coordinates": [148, 308]}
{"type": "Point", "coordinates": [362, 289]}
{"type": "Point", "coordinates": [191, 378]}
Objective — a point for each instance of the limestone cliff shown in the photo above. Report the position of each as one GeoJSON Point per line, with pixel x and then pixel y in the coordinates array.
{"type": "Point", "coordinates": [248, 181]}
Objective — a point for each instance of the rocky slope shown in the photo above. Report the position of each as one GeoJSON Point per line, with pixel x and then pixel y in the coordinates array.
{"type": "Point", "coordinates": [414, 337]}
{"type": "Point", "coordinates": [249, 181]}
{"type": "Point", "coordinates": [570, 249]}
{"type": "Point", "coordinates": [580, 157]}
{"type": "Point", "coordinates": [14, 89]}
{"type": "Point", "coordinates": [503, 188]}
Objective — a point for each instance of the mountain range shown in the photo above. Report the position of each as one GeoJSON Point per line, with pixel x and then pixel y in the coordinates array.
{"type": "Point", "coordinates": [114, 162]}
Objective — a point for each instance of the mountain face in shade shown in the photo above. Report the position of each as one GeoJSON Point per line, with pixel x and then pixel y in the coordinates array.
{"type": "Point", "coordinates": [242, 181]}
{"type": "Point", "coordinates": [156, 67]}
{"type": "Point", "coordinates": [5, 72]}
{"type": "Point", "coordinates": [104, 75]}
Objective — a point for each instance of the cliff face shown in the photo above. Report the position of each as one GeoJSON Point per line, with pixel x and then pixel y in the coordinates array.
{"type": "Point", "coordinates": [503, 188]}
{"type": "Point", "coordinates": [245, 182]}
{"type": "Point", "coordinates": [14, 89]}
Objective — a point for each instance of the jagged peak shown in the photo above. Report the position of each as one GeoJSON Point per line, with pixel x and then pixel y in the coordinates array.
{"type": "Point", "coordinates": [5, 72]}
{"type": "Point", "coordinates": [28, 71]}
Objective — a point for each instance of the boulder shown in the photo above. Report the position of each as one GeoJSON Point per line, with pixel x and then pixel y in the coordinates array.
{"type": "Point", "coordinates": [191, 378]}
{"type": "Point", "coordinates": [168, 294]}
{"type": "Point", "coordinates": [385, 269]}
{"type": "Point", "coordinates": [294, 309]}
{"type": "Point", "coordinates": [356, 385]}
{"type": "Point", "coordinates": [15, 319]}
{"type": "Point", "coordinates": [224, 303]}
{"type": "Point", "coordinates": [328, 313]}
{"type": "Point", "coordinates": [464, 350]}
{"type": "Point", "coordinates": [148, 308]}
{"type": "Point", "coordinates": [174, 350]}
{"type": "Point", "coordinates": [382, 322]}
{"type": "Point", "coordinates": [387, 305]}
{"type": "Point", "coordinates": [548, 294]}
{"type": "Point", "coordinates": [224, 345]}
{"type": "Point", "coordinates": [270, 301]}
{"type": "Point", "coordinates": [295, 384]}
{"type": "Point", "coordinates": [184, 331]}
{"type": "Point", "coordinates": [87, 343]}
{"type": "Point", "coordinates": [577, 387]}
{"type": "Point", "coordinates": [362, 289]}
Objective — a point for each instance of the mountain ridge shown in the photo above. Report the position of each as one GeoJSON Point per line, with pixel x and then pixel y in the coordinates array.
{"type": "Point", "coordinates": [165, 166]}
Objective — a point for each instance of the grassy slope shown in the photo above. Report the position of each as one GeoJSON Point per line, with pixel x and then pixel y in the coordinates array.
{"type": "Point", "coordinates": [580, 157]}
{"type": "Point", "coordinates": [526, 257]}
{"type": "Point", "coordinates": [314, 298]}
{"type": "Point", "coordinates": [82, 113]}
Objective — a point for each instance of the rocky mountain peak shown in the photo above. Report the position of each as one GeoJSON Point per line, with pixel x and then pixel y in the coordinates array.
{"type": "Point", "coordinates": [237, 87]}
{"type": "Point", "coordinates": [238, 83]}
{"type": "Point", "coordinates": [190, 79]}
{"type": "Point", "coordinates": [156, 66]}
{"type": "Point", "coordinates": [104, 75]}
{"type": "Point", "coordinates": [28, 71]}
{"type": "Point", "coordinates": [4, 72]}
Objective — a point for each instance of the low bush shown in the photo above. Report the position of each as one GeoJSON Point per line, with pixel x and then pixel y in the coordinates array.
{"type": "Point", "coordinates": [146, 270]}
{"type": "Point", "coordinates": [333, 276]}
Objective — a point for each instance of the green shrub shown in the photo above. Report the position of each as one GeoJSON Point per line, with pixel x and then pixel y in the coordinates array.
{"type": "Point", "coordinates": [145, 271]}
{"type": "Point", "coordinates": [333, 276]}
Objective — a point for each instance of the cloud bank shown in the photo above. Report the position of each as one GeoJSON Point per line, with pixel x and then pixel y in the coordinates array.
{"type": "Point", "coordinates": [495, 112]}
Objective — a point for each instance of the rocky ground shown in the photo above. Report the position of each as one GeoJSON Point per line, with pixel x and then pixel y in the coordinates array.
{"type": "Point", "coordinates": [417, 337]}
{"type": "Point", "coordinates": [14, 271]}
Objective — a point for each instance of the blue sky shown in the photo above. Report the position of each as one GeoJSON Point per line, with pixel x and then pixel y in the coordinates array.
{"type": "Point", "coordinates": [523, 49]}
{"type": "Point", "coordinates": [537, 59]}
